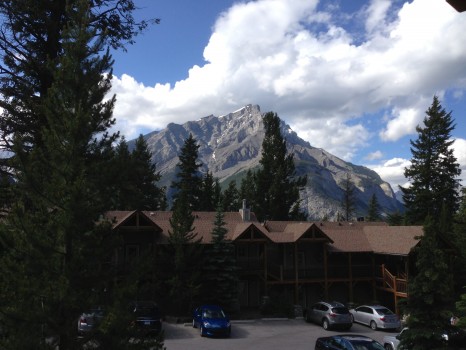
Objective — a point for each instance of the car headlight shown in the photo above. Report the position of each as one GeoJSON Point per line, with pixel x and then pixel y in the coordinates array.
{"type": "Point", "coordinates": [206, 324]}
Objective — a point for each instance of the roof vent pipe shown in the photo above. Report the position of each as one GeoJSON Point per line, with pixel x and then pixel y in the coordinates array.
{"type": "Point", "coordinates": [245, 212]}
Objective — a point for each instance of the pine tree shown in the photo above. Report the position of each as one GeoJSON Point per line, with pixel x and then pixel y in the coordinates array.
{"type": "Point", "coordinates": [434, 170]}
{"type": "Point", "coordinates": [32, 40]}
{"type": "Point", "coordinates": [348, 201]}
{"type": "Point", "coordinates": [210, 193]}
{"type": "Point", "coordinates": [430, 294]}
{"type": "Point", "coordinates": [248, 189]}
{"type": "Point", "coordinates": [189, 179]}
{"type": "Point", "coordinates": [230, 198]}
{"type": "Point", "coordinates": [185, 250]}
{"type": "Point", "coordinates": [55, 251]}
{"type": "Point", "coordinates": [145, 176]}
{"type": "Point", "coordinates": [277, 186]}
{"type": "Point", "coordinates": [220, 280]}
{"type": "Point", "coordinates": [373, 212]}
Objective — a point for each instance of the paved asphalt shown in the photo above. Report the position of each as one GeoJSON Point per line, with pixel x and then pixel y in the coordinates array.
{"type": "Point", "coordinates": [261, 334]}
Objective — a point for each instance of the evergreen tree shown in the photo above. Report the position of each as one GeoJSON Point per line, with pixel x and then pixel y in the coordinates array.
{"type": "Point", "coordinates": [124, 188]}
{"type": "Point", "coordinates": [434, 170]}
{"type": "Point", "coordinates": [248, 189]}
{"type": "Point", "coordinates": [430, 294]}
{"type": "Point", "coordinates": [32, 42]}
{"type": "Point", "coordinates": [189, 179]}
{"type": "Point", "coordinates": [220, 280]}
{"type": "Point", "coordinates": [230, 198]}
{"type": "Point", "coordinates": [348, 198]}
{"type": "Point", "coordinates": [185, 250]}
{"type": "Point", "coordinates": [145, 177]}
{"type": "Point", "coordinates": [54, 248]}
{"type": "Point", "coordinates": [209, 194]}
{"type": "Point", "coordinates": [395, 219]}
{"type": "Point", "coordinates": [277, 187]}
{"type": "Point", "coordinates": [373, 212]}
{"type": "Point", "coordinates": [136, 178]}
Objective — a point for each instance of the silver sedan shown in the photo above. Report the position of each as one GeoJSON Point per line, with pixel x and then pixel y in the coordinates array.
{"type": "Point", "coordinates": [376, 316]}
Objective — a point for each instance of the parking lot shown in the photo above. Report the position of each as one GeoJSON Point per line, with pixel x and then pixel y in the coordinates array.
{"type": "Point", "coordinates": [258, 334]}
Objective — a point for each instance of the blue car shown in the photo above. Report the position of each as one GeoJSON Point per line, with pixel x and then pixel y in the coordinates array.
{"type": "Point", "coordinates": [211, 321]}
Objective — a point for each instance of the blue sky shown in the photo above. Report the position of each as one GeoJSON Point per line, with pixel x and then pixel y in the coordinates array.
{"type": "Point", "coordinates": [351, 77]}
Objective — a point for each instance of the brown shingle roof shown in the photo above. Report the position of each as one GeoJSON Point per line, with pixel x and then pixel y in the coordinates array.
{"type": "Point", "coordinates": [342, 236]}
{"type": "Point", "coordinates": [396, 240]}
{"type": "Point", "coordinates": [350, 239]}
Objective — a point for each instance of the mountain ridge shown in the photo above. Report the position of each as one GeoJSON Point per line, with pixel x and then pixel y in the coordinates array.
{"type": "Point", "coordinates": [230, 144]}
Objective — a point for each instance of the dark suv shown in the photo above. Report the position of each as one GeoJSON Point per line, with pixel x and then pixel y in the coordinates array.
{"type": "Point", "coordinates": [330, 315]}
{"type": "Point", "coordinates": [147, 319]}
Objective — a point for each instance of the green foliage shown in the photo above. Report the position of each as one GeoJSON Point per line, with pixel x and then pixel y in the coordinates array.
{"type": "Point", "coordinates": [248, 189]}
{"type": "Point", "coordinates": [276, 185]}
{"type": "Point", "coordinates": [434, 170]}
{"type": "Point", "coordinates": [185, 252]}
{"type": "Point", "coordinates": [231, 200]}
{"type": "Point", "coordinates": [55, 251]}
{"type": "Point", "coordinates": [189, 179]}
{"type": "Point", "coordinates": [373, 212]}
{"type": "Point", "coordinates": [396, 219]}
{"type": "Point", "coordinates": [430, 293]}
{"type": "Point", "coordinates": [136, 179]}
{"type": "Point", "coordinates": [210, 193]}
{"type": "Point", "coordinates": [220, 280]}
{"type": "Point", "coordinates": [461, 311]}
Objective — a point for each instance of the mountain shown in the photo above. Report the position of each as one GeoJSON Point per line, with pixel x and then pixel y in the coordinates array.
{"type": "Point", "coordinates": [231, 144]}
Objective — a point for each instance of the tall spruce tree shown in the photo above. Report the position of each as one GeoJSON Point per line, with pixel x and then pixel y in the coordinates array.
{"type": "Point", "coordinates": [189, 179]}
{"type": "Point", "coordinates": [31, 43]}
{"type": "Point", "coordinates": [54, 249]}
{"type": "Point", "coordinates": [185, 250]}
{"type": "Point", "coordinates": [277, 186]}
{"type": "Point", "coordinates": [220, 279]}
{"type": "Point", "coordinates": [373, 211]}
{"type": "Point", "coordinates": [434, 170]}
{"type": "Point", "coordinates": [210, 193]}
{"type": "Point", "coordinates": [248, 189]}
{"type": "Point", "coordinates": [145, 176]}
{"type": "Point", "coordinates": [230, 198]}
{"type": "Point", "coordinates": [430, 293]}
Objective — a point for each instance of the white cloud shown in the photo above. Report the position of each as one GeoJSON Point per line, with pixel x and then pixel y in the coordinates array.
{"type": "Point", "coordinates": [392, 171]}
{"type": "Point", "coordinates": [374, 155]}
{"type": "Point", "coordinates": [314, 71]}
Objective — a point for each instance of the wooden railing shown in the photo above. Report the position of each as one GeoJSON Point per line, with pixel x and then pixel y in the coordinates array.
{"type": "Point", "coordinates": [398, 286]}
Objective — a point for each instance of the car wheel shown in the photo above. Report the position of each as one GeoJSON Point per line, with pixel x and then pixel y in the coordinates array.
{"type": "Point", "coordinates": [201, 330]}
{"type": "Point", "coordinates": [194, 324]}
{"type": "Point", "coordinates": [325, 324]}
{"type": "Point", "coordinates": [388, 347]}
{"type": "Point", "coordinates": [308, 319]}
{"type": "Point", "coordinates": [352, 318]}
{"type": "Point", "coordinates": [373, 325]}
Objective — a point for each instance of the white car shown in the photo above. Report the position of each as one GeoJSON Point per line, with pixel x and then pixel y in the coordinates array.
{"type": "Point", "coordinates": [376, 316]}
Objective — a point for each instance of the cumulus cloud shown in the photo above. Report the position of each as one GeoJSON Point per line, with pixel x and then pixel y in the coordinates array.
{"type": "Point", "coordinates": [392, 171]}
{"type": "Point", "coordinates": [301, 61]}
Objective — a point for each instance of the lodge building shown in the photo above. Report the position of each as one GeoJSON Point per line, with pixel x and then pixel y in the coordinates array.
{"type": "Point", "coordinates": [353, 262]}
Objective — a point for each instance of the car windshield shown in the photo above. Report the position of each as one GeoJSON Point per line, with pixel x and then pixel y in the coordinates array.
{"type": "Point", "coordinates": [213, 314]}
{"type": "Point", "coordinates": [340, 310]}
{"type": "Point", "coordinates": [147, 311]}
{"type": "Point", "coordinates": [384, 311]}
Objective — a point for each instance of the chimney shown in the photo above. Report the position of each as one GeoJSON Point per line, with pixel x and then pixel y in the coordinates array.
{"type": "Point", "coordinates": [245, 212]}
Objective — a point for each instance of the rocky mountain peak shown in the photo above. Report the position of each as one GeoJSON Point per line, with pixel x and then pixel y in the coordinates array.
{"type": "Point", "coordinates": [231, 144]}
